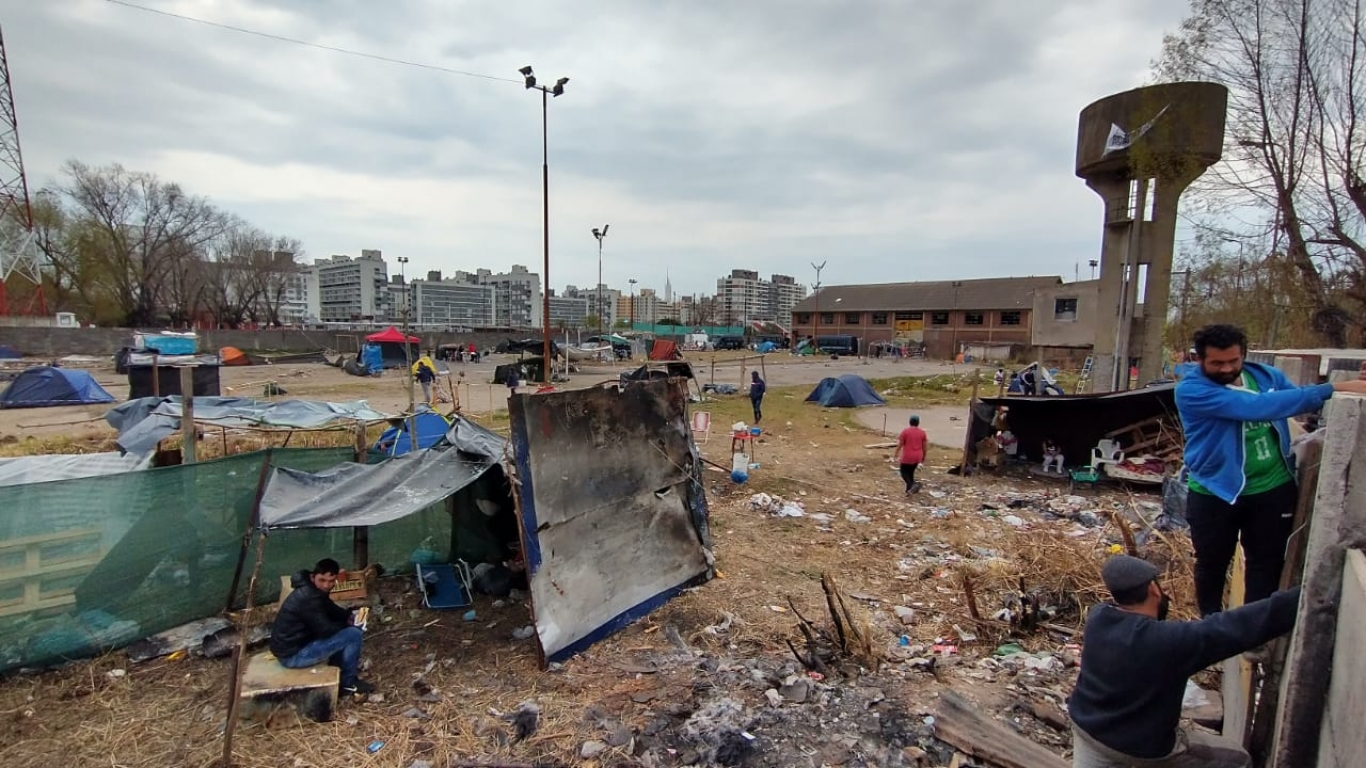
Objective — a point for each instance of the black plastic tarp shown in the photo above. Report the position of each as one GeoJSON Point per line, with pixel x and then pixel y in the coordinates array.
{"type": "Point", "coordinates": [1075, 422]}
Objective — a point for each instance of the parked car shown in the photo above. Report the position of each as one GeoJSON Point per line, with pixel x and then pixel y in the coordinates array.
{"type": "Point", "coordinates": [730, 342]}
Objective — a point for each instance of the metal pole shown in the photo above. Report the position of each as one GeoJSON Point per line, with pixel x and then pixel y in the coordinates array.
{"type": "Point", "coordinates": [599, 288]}
{"type": "Point", "coordinates": [816, 317]}
{"type": "Point", "coordinates": [545, 199]}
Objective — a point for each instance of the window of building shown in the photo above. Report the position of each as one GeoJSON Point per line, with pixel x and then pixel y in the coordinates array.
{"type": "Point", "coordinates": [910, 315]}
{"type": "Point", "coordinates": [828, 318]}
{"type": "Point", "coordinates": [803, 318]}
{"type": "Point", "coordinates": [1010, 318]}
{"type": "Point", "coordinates": [1065, 309]}
{"type": "Point", "coordinates": [879, 318]}
{"type": "Point", "coordinates": [974, 318]}
{"type": "Point", "coordinates": [851, 318]}
{"type": "Point", "coordinates": [939, 318]}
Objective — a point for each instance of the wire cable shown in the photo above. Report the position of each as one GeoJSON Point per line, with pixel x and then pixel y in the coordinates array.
{"type": "Point", "coordinates": [319, 46]}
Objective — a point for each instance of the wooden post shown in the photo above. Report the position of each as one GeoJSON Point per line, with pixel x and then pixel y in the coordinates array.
{"type": "Point", "coordinates": [252, 522]}
{"type": "Point", "coordinates": [243, 627]}
{"type": "Point", "coordinates": [156, 377]}
{"type": "Point", "coordinates": [967, 441]}
{"type": "Point", "coordinates": [742, 372]}
{"type": "Point", "coordinates": [1338, 524]}
{"type": "Point", "coordinates": [713, 370]}
{"type": "Point", "coordinates": [360, 534]}
{"type": "Point", "coordinates": [187, 428]}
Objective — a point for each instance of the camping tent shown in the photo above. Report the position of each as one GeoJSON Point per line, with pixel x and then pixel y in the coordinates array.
{"type": "Point", "coordinates": [233, 356]}
{"type": "Point", "coordinates": [396, 440]}
{"type": "Point", "coordinates": [47, 386]}
{"type": "Point", "coordinates": [848, 391]}
{"type": "Point", "coordinates": [390, 343]}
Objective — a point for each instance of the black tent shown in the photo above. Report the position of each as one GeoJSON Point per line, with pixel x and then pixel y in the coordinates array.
{"type": "Point", "coordinates": [1075, 422]}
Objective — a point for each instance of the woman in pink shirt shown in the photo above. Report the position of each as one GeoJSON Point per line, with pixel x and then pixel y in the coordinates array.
{"type": "Point", "coordinates": [910, 450]}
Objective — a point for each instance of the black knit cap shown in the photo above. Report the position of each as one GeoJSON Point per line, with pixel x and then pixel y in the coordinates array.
{"type": "Point", "coordinates": [1122, 573]}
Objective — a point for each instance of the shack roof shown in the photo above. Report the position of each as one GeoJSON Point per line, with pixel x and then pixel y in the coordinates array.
{"type": "Point", "coordinates": [986, 293]}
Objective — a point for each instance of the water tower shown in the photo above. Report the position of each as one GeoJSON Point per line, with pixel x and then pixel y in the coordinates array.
{"type": "Point", "coordinates": [1139, 150]}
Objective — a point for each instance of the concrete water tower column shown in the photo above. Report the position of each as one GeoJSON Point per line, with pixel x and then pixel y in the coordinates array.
{"type": "Point", "coordinates": [1138, 151]}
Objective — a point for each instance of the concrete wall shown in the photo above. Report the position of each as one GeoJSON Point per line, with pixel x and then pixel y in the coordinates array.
{"type": "Point", "coordinates": [1046, 330]}
{"type": "Point", "coordinates": [57, 342]}
{"type": "Point", "coordinates": [1343, 741]}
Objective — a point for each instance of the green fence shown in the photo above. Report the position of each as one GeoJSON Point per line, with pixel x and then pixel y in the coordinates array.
{"type": "Point", "coordinates": [92, 564]}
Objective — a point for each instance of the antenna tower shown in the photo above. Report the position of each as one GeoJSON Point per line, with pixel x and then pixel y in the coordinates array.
{"type": "Point", "coordinates": [18, 246]}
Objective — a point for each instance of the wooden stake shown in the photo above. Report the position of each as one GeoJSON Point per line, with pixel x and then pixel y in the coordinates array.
{"type": "Point", "coordinates": [360, 534]}
{"type": "Point", "coordinates": [187, 428]}
{"type": "Point", "coordinates": [967, 441]}
{"type": "Point", "coordinates": [237, 667]}
{"type": "Point", "coordinates": [252, 522]}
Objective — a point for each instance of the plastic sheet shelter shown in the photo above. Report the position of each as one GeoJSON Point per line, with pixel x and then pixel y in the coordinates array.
{"type": "Point", "coordinates": [391, 346]}
{"type": "Point", "coordinates": [1075, 422]}
{"type": "Point", "coordinates": [9, 353]}
{"type": "Point", "coordinates": [614, 519]}
{"type": "Point", "coordinates": [847, 391]}
{"type": "Point", "coordinates": [144, 422]}
{"type": "Point", "coordinates": [46, 386]}
{"type": "Point", "coordinates": [351, 494]}
{"type": "Point", "coordinates": [665, 350]}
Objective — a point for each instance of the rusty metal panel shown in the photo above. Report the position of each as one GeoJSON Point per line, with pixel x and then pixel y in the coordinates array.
{"type": "Point", "coordinates": [614, 519]}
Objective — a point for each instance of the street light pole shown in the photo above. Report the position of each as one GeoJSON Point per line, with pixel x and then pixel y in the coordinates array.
{"type": "Point", "coordinates": [632, 281]}
{"type": "Point", "coordinates": [816, 316]}
{"type": "Point", "coordinates": [546, 93]}
{"type": "Point", "coordinates": [956, 285]}
{"type": "Point", "coordinates": [600, 235]}
{"type": "Point", "coordinates": [407, 350]}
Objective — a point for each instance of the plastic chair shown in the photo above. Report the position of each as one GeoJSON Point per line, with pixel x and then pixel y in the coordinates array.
{"type": "Point", "coordinates": [701, 424]}
{"type": "Point", "coordinates": [1106, 452]}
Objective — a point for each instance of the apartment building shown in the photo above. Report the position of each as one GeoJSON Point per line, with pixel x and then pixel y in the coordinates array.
{"type": "Point", "coordinates": [744, 297]}
{"type": "Point", "coordinates": [343, 289]}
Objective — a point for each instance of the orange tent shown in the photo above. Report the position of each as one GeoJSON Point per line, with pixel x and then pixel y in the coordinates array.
{"type": "Point", "coordinates": [233, 356]}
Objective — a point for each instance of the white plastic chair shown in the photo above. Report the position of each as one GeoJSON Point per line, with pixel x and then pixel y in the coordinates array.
{"type": "Point", "coordinates": [1106, 452]}
{"type": "Point", "coordinates": [701, 424]}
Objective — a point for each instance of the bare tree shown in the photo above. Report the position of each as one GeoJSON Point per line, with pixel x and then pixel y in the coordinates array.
{"type": "Point", "coordinates": [1293, 69]}
{"type": "Point", "coordinates": [274, 271]}
{"type": "Point", "coordinates": [232, 287]}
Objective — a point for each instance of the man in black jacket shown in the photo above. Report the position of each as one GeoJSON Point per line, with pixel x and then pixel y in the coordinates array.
{"type": "Point", "coordinates": [1126, 707]}
{"type": "Point", "coordinates": [311, 629]}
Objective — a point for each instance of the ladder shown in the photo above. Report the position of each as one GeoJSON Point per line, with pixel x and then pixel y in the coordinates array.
{"type": "Point", "coordinates": [1085, 376]}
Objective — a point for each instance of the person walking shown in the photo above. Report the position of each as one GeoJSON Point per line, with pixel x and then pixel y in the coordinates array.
{"type": "Point", "coordinates": [425, 377]}
{"type": "Point", "coordinates": [911, 446]}
{"type": "Point", "coordinates": [1126, 706]}
{"type": "Point", "coordinates": [757, 388]}
{"type": "Point", "coordinates": [1242, 479]}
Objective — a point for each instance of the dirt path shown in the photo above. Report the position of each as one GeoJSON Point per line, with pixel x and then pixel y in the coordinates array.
{"type": "Point", "coordinates": [947, 426]}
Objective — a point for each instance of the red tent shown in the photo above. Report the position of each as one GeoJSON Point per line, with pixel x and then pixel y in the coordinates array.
{"type": "Point", "coordinates": [392, 335]}
{"type": "Point", "coordinates": [665, 350]}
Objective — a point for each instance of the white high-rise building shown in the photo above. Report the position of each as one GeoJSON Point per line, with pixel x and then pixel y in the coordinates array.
{"type": "Point", "coordinates": [452, 303]}
{"type": "Point", "coordinates": [745, 297]}
{"type": "Point", "coordinates": [607, 310]}
{"type": "Point", "coordinates": [343, 289]}
{"type": "Point", "coordinates": [517, 295]}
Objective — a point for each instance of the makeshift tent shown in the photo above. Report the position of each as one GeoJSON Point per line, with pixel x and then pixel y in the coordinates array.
{"type": "Point", "coordinates": [46, 386]}
{"type": "Point", "coordinates": [397, 440]}
{"type": "Point", "coordinates": [371, 358]}
{"type": "Point", "coordinates": [163, 379]}
{"type": "Point", "coordinates": [764, 347]}
{"type": "Point", "coordinates": [45, 469]}
{"type": "Point", "coordinates": [847, 391]}
{"type": "Point", "coordinates": [233, 356]}
{"type": "Point", "coordinates": [391, 347]}
{"type": "Point", "coordinates": [1075, 422]}
{"type": "Point", "coordinates": [144, 422]}
{"type": "Point", "coordinates": [664, 350]}
{"type": "Point", "coordinates": [9, 353]}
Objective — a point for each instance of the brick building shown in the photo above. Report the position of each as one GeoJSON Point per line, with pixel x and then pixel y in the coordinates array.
{"type": "Point", "coordinates": [945, 315]}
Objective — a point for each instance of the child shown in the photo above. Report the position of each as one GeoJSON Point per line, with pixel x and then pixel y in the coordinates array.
{"type": "Point", "coordinates": [1052, 455]}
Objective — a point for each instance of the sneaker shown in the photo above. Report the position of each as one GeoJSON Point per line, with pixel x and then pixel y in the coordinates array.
{"type": "Point", "coordinates": [358, 688]}
{"type": "Point", "coordinates": [915, 488]}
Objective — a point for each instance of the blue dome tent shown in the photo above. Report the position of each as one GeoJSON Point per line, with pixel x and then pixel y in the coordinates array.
{"type": "Point", "coordinates": [46, 386]}
{"type": "Point", "coordinates": [430, 427]}
{"type": "Point", "coordinates": [848, 391]}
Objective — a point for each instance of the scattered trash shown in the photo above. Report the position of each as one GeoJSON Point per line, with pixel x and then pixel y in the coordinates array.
{"type": "Point", "coordinates": [591, 749]}
{"type": "Point", "coordinates": [524, 633]}
{"type": "Point", "coordinates": [374, 746]}
{"type": "Point", "coordinates": [1008, 649]}
{"type": "Point", "coordinates": [854, 516]}
{"type": "Point", "coordinates": [964, 635]}
{"type": "Point", "coordinates": [775, 699]}
{"type": "Point", "coordinates": [470, 615]}
{"type": "Point", "coordinates": [115, 674]}
{"type": "Point", "coordinates": [1012, 520]}
{"type": "Point", "coordinates": [777, 609]}
{"type": "Point", "coordinates": [904, 615]}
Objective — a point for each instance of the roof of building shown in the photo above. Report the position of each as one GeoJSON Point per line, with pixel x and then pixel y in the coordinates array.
{"type": "Point", "coordinates": [986, 293]}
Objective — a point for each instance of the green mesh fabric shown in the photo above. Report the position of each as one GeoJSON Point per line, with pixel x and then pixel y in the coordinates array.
{"type": "Point", "coordinates": [96, 563]}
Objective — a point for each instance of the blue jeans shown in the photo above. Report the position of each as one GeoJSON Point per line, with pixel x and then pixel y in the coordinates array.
{"type": "Point", "coordinates": [340, 650]}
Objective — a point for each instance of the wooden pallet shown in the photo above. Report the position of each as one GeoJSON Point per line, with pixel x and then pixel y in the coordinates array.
{"type": "Point", "coordinates": [31, 561]}
{"type": "Point", "coordinates": [1156, 436]}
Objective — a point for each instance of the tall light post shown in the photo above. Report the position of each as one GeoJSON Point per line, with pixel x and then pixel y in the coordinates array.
{"type": "Point", "coordinates": [600, 235]}
{"type": "Point", "coordinates": [1094, 263]}
{"type": "Point", "coordinates": [546, 93]}
{"type": "Point", "coordinates": [632, 281]}
{"type": "Point", "coordinates": [816, 316]}
{"type": "Point", "coordinates": [407, 350]}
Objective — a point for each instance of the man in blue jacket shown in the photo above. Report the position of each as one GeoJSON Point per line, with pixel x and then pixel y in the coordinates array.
{"type": "Point", "coordinates": [1126, 707]}
{"type": "Point", "coordinates": [1242, 479]}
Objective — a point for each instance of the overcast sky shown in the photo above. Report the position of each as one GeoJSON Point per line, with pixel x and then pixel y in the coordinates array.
{"type": "Point", "coordinates": [896, 140]}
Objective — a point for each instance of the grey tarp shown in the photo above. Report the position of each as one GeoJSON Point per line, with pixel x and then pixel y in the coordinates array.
{"type": "Point", "coordinates": [146, 421]}
{"type": "Point", "coordinates": [42, 469]}
{"type": "Point", "coordinates": [359, 494]}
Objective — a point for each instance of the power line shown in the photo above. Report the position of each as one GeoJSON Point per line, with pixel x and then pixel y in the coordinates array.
{"type": "Point", "coordinates": [319, 46]}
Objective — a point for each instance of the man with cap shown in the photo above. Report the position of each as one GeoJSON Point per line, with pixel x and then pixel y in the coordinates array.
{"type": "Point", "coordinates": [1126, 707]}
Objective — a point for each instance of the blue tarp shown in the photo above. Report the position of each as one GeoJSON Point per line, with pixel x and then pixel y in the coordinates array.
{"type": "Point", "coordinates": [372, 357]}
{"type": "Point", "coordinates": [765, 347]}
{"type": "Point", "coordinates": [848, 391]}
{"type": "Point", "coordinates": [396, 440]}
{"type": "Point", "coordinates": [9, 353]}
{"type": "Point", "coordinates": [47, 386]}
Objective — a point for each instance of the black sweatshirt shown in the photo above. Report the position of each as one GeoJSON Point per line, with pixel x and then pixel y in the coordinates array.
{"type": "Point", "coordinates": [1134, 668]}
{"type": "Point", "coordinates": [308, 614]}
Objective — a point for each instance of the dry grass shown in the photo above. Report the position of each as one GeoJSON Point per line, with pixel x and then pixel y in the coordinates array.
{"type": "Point", "coordinates": [167, 713]}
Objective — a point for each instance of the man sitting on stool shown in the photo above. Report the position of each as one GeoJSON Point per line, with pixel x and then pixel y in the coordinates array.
{"type": "Point", "coordinates": [311, 629]}
{"type": "Point", "coordinates": [1126, 707]}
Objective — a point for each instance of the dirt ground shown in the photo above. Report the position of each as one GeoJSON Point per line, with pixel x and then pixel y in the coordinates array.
{"type": "Point", "coordinates": [937, 582]}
